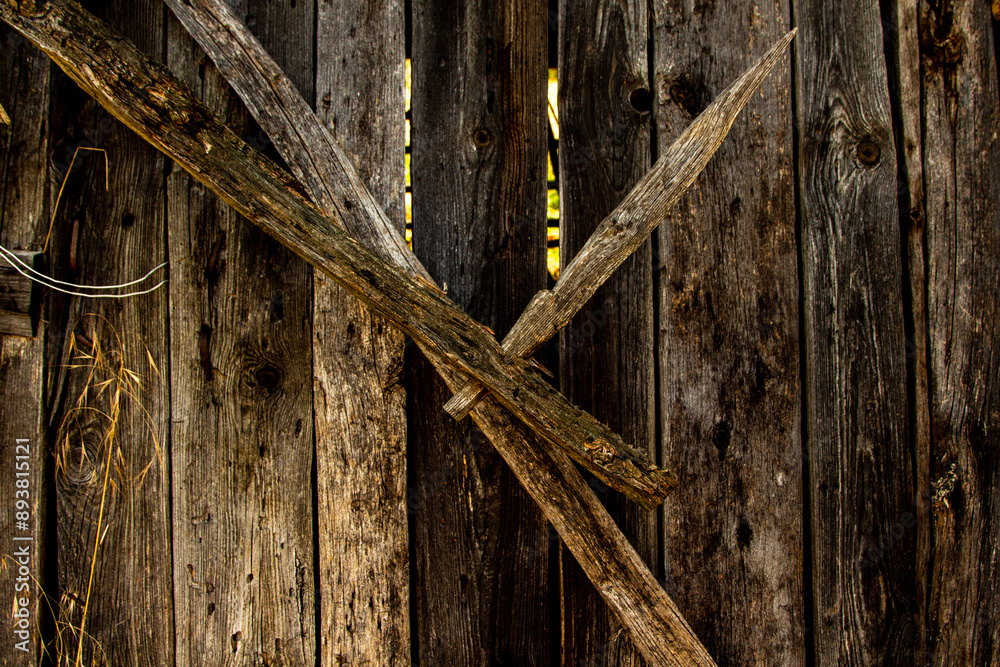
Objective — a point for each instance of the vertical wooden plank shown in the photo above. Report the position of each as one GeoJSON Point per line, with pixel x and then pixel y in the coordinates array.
{"type": "Point", "coordinates": [360, 400]}
{"type": "Point", "coordinates": [860, 474]}
{"type": "Point", "coordinates": [962, 247]}
{"type": "Point", "coordinates": [241, 340]}
{"type": "Point", "coordinates": [606, 361]}
{"type": "Point", "coordinates": [479, 172]}
{"type": "Point", "coordinates": [728, 344]}
{"type": "Point", "coordinates": [24, 93]}
{"type": "Point", "coordinates": [111, 407]}
{"type": "Point", "coordinates": [900, 22]}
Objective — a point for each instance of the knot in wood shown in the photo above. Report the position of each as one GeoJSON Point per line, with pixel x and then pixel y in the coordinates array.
{"type": "Point", "coordinates": [641, 100]}
{"type": "Point", "coordinates": [869, 152]}
{"type": "Point", "coordinates": [268, 377]}
{"type": "Point", "coordinates": [482, 137]}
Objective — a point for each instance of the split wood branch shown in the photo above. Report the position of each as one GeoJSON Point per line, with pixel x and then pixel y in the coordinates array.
{"type": "Point", "coordinates": [148, 99]}
{"type": "Point", "coordinates": [628, 226]}
{"type": "Point", "coordinates": [314, 156]}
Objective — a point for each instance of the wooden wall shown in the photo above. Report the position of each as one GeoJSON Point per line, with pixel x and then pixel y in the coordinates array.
{"type": "Point", "coordinates": [246, 467]}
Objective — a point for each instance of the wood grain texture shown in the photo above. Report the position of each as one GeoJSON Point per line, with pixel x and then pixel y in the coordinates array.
{"type": "Point", "coordinates": [860, 464]}
{"type": "Point", "coordinates": [626, 584]}
{"type": "Point", "coordinates": [551, 479]}
{"type": "Point", "coordinates": [18, 296]}
{"type": "Point", "coordinates": [628, 226]}
{"type": "Point", "coordinates": [961, 174]}
{"type": "Point", "coordinates": [606, 352]}
{"type": "Point", "coordinates": [112, 452]}
{"type": "Point", "coordinates": [162, 110]}
{"type": "Point", "coordinates": [604, 554]}
{"type": "Point", "coordinates": [728, 344]}
{"type": "Point", "coordinates": [901, 28]}
{"type": "Point", "coordinates": [242, 398]}
{"type": "Point", "coordinates": [360, 401]}
{"type": "Point", "coordinates": [25, 93]}
{"type": "Point", "coordinates": [478, 142]}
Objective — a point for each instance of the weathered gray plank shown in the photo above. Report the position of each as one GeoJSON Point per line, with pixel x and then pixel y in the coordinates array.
{"type": "Point", "coordinates": [24, 92]}
{"type": "Point", "coordinates": [241, 341]}
{"type": "Point", "coordinates": [112, 454]}
{"type": "Point", "coordinates": [860, 464]}
{"type": "Point", "coordinates": [961, 173]}
{"type": "Point", "coordinates": [478, 145]}
{"type": "Point", "coordinates": [728, 344]}
{"type": "Point", "coordinates": [606, 360]}
{"type": "Point", "coordinates": [360, 401]}
{"type": "Point", "coordinates": [161, 110]}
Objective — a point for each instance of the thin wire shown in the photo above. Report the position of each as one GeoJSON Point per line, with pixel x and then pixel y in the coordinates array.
{"type": "Point", "coordinates": [4, 252]}
{"type": "Point", "coordinates": [88, 296]}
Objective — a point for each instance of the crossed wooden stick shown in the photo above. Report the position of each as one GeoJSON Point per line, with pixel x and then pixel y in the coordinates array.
{"type": "Point", "coordinates": [348, 236]}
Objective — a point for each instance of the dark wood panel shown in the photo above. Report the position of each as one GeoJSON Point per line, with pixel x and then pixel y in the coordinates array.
{"type": "Point", "coordinates": [961, 174]}
{"type": "Point", "coordinates": [860, 472]}
{"type": "Point", "coordinates": [241, 370]}
{"type": "Point", "coordinates": [900, 24]}
{"type": "Point", "coordinates": [478, 144]}
{"type": "Point", "coordinates": [607, 364]}
{"type": "Point", "coordinates": [111, 401]}
{"type": "Point", "coordinates": [26, 546]}
{"type": "Point", "coordinates": [729, 344]}
{"type": "Point", "coordinates": [360, 401]}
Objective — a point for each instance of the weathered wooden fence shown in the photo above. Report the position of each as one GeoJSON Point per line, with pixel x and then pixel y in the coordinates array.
{"type": "Point", "coordinates": [248, 467]}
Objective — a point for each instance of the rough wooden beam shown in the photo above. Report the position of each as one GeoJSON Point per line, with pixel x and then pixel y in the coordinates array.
{"type": "Point", "coordinates": [630, 224]}
{"type": "Point", "coordinates": [144, 96]}
{"type": "Point", "coordinates": [610, 562]}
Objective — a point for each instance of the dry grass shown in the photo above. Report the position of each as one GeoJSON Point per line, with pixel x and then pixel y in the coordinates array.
{"type": "Point", "coordinates": [111, 392]}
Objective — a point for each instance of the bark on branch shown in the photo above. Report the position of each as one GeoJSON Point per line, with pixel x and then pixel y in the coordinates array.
{"type": "Point", "coordinates": [144, 96]}
{"type": "Point", "coordinates": [628, 226]}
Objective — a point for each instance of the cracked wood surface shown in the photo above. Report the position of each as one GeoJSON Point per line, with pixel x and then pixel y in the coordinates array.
{"type": "Point", "coordinates": [482, 547]}
{"type": "Point", "coordinates": [859, 470]}
{"type": "Point", "coordinates": [24, 190]}
{"type": "Point", "coordinates": [112, 472]}
{"type": "Point", "coordinates": [729, 345]}
{"type": "Point", "coordinates": [360, 395]}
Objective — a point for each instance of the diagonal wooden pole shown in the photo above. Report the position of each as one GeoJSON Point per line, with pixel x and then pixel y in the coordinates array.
{"type": "Point", "coordinates": [628, 226]}
{"type": "Point", "coordinates": [616, 570]}
{"type": "Point", "coordinates": [144, 96]}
